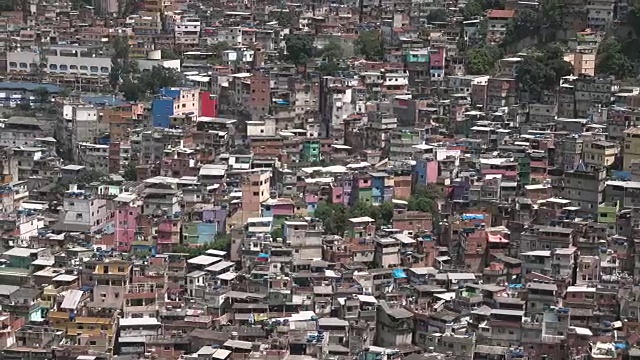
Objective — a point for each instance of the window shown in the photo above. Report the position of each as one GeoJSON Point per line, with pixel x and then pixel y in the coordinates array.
{"type": "Point", "coordinates": [104, 70]}
{"type": "Point", "coordinates": [92, 342]}
{"type": "Point", "coordinates": [13, 64]}
{"type": "Point", "coordinates": [53, 67]}
{"type": "Point", "coordinates": [73, 67]}
{"type": "Point", "coordinates": [83, 68]}
{"type": "Point", "coordinates": [23, 66]}
{"type": "Point", "coordinates": [94, 69]}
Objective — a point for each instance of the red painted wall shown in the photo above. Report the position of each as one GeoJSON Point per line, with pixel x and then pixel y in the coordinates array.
{"type": "Point", "coordinates": [208, 104]}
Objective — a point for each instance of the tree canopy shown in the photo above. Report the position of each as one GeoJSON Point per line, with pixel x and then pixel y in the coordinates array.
{"type": "Point", "coordinates": [299, 48]}
{"type": "Point", "coordinates": [130, 173]}
{"type": "Point", "coordinates": [332, 51]}
{"type": "Point", "coordinates": [477, 8]}
{"type": "Point", "coordinates": [122, 66]}
{"type": "Point", "coordinates": [134, 88]}
{"type": "Point", "coordinates": [222, 242]}
{"type": "Point", "coordinates": [530, 23]}
{"type": "Point", "coordinates": [369, 44]}
{"type": "Point", "coordinates": [482, 60]}
{"type": "Point", "coordinates": [217, 49]}
{"type": "Point", "coordinates": [335, 216]}
{"type": "Point", "coordinates": [542, 71]}
{"type": "Point", "coordinates": [612, 60]}
{"type": "Point", "coordinates": [437, 15]}
{"type": "Point", "coordinates": [159, 77]}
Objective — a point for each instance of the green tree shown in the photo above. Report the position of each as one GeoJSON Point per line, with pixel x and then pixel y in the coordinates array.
{"type": "Point", "coordinates": [222, 242]}
{"type": "Point", "coordinates": [169, 54]}
{"type": "Point", "coordinates": [369, 44]}
{"type": "Point", "coordinates": [131, 90]}
{"type": "Point", "coordinates": [87, 177]}
{"type": "Point", "coordinates": [329, 67]}
{"type": "Point", "coordinates": [476, 8]}
{"type": "Point", "coordinates": [386, 212]}
{"type": "Point", "coordinates": [41, 93]}
{"type": "Point", "coordinates": [130, 173]}
{"type": "Point", "coordinates": [530, 23]}
{"type": "Point", "coordinates": [525, 24]}
{"type": "Point", "coordinates": [437, 15]}
{"type": "Point", "coordinates": [483, 60]}
{"type": "Point", "coordinates": [551, 13]}
{"type": "Point", "coordinates": [472, 9]}
{"type": "Point", "coordinates": [333, 216]}
{"type": "Point", "coordinates": [277, 233]}
{"type": "Point", "coordinates": [216, 50]}
{"type": "Point", "coordinates": [423, 199]}
{"type": "Point", "coordinates": [542, 71]}
{"type": "Point", "coordinates": [159, 77]}
{"type": "Point", "coordinates": [332, 51]}
{"type": "Point", "coordinates": [122, 66]}
{"type": "Point", "coordinates": [611, 59]}
{"type": "Point", "coordinates": [299, 48]}
{"type": "Point", "coordinates": [284, 18]}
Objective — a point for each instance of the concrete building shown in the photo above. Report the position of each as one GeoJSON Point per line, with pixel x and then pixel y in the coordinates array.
{"type": "Point", "coordinates": [585, 188]}
{"type": "Point", "coordinates": [82, 212]}
{"type": "Point", "coordinates": [583, 63]}
{"type": "Point", "coordinates": [599, 153]}
{"type": "Point", "coordinates": [631, 151]}
{"type": "Point", "coordinates": [599, 14]}
{"type": "Point", "coordinates": [23, 131]}
{"type": "Point", "coordinates": [569, 152]}
{"type": "Point", "coordinates": [394, 327]}
{"type": "Point", "coordinates": [497, 25]}
{"type": "Point", "coordinates": [175, 102]}
{"type": "Point", "coordinates": [187, 32]}
{"type": "Point", "coordinates": [75, 60]}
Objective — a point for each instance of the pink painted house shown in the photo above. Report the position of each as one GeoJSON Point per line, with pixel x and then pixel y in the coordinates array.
{"type": "Point", "coordinates": [168, 234]}
{"type": "Point", "coordinates": [128, 209]}
{"type": "Point", "coordinates": [278, 207]}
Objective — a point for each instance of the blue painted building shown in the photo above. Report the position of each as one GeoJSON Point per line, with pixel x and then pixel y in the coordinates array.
{"type": "Point", "coordinates": [162, 107]}
{"type": "Point", "coordinates": [377, 187]}
{"type": "Point", "coordinates": [174, 101]}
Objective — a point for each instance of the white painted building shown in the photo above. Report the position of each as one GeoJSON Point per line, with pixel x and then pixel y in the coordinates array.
{"type": "Point", "coordinates": [187, 31]}
{"type": "Point", "coordinates": [82, 211]}
{"type": "Point", "coordinates": [75, 60]}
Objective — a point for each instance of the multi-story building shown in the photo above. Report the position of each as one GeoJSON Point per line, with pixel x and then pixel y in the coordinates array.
{"type": "Point", "coordinates": [501, 92]}
{"type": "Point", "coordinates": [569, 152]}
{"type": "Point", "coordinates": [631, 151]}
{"type": "Point", "coordinates": [75, 61]}
{"type": "Point", "coordinates": [599, 153]}
{"type": "Point", "coordinates": [187, 32]}
{"type": "Point", "coordinates": [497, 25]}
{"type": "Point", "coordinates": [23, 131]}
{"type": "Point", "coordinates": [600, 14]}
{"type": "Point", "coordinates": [128, 208]}
{"type": "Point", "coordinates": [585, 188]}
{"type": "Point", "coordinates": [175, 102]}
{"type": "Point", "coordinates": [111, 279]}
{"type": "Point", "coordinates": [83, 211]}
